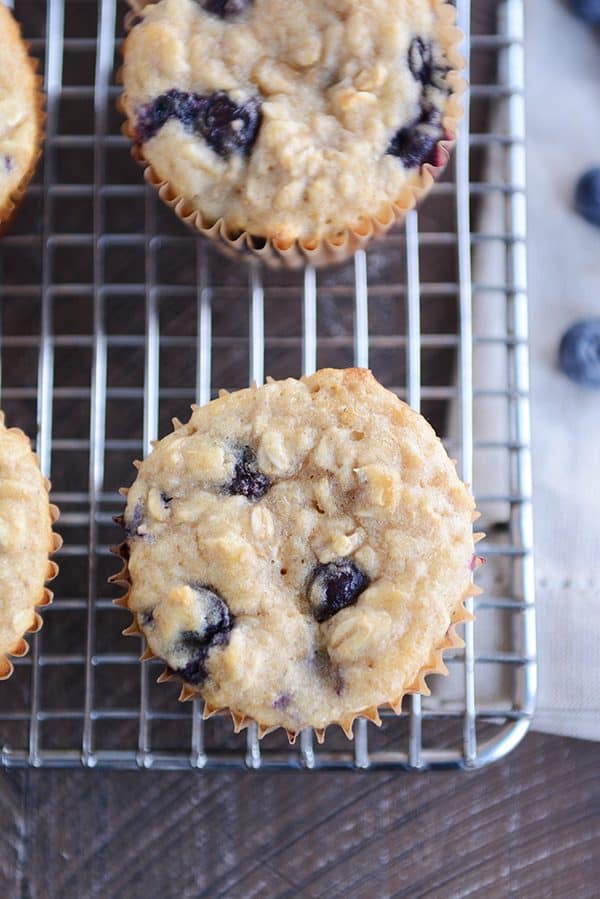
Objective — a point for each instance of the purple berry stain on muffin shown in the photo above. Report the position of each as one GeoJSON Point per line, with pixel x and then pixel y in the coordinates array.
{"type": "Point", "coordinates": [226, 9]}
{"type": "Point", "coordinates": [214, 631]}
{"type": "Point", "coordinates": [146, 618]}
{"type": "Point", "coordinates": [327, 671]}
{"type": "Point", "coordinates": [420, 60]}
{"type": "Point", "coordinates": [248, 480]}
{"type": "Point", "coordinates": [334, 587]}
{"type": "Point", "coordinates": [226, 126]}
{"type": "Point", "coordinates": [132, 524]}
{"type": "Point", "coordinates": [415, 143]}
{"type": "Point", "coordinates": [282, 701]}
{"type": "Point", "coordinates": [476, 562]}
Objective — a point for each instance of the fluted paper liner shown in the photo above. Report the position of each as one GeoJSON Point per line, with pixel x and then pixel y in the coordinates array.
{"type": "Point", "coordinates": [335, 248]}
{"type": "Point", "coordinates": [433, 665]}
{"type": "Point", "coordinates": [13, 201]}
{"type": "Point", "coordinates": [21, 647]}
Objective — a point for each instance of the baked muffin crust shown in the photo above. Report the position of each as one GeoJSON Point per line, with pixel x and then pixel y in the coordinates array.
{"type": "Point", "coordinates": [297, 553]}
{"type": "Point", "coordinates": [291, 119]}
{"type": "Point", "coordinates": [20, 115]}
{"type": "Point", "coordinates": [26, 540]}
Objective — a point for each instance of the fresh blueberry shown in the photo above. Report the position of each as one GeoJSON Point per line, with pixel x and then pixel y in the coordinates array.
{"type": "Point", "coordinates": [588, 10]}
{"type": "Point", "coordinates": [218, 622]}
{"type": "Point", "coordinates": [587, 196]}
{"type": "Point", "coordinates": [335, 586]}
{"type": "Point", "coordinates": [415, 144]}
{"type": "Point", "coordinates": [579, 353]}
{"type": "Point", "coordinates": [420, 60]}
{"type": "Point", "coordinates": [226, 9]}
{"type": "Point", "coordinates": [247, 479]}
{"type": "Point", "coordinates": [228, 127]}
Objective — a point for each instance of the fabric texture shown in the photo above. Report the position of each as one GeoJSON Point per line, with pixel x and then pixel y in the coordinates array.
{"type": "Point", "coordinates": [563, 140]}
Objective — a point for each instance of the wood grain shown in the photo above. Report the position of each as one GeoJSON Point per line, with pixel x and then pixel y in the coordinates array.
{"type": "Point", "coordinates": [527, 827]}
{"type": "Point", "coordinates": [12, 834]}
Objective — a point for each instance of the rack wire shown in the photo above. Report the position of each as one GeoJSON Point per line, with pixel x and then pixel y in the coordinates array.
{"type": "Point", "coordinates": [114, 318]}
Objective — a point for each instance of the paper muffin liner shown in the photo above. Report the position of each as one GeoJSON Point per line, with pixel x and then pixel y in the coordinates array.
{"type": "Point", "coordinates": [333, 249]}
{"type": "Point", "coordinates": [433, 665]}
{"type": "Point", "coordinates": [21, 647]}
{"type": "Point", "coordinates": [14, 199]}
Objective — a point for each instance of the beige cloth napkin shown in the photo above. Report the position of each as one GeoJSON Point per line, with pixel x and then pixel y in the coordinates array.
{"type": "Point", "coordinates": [563, 121]}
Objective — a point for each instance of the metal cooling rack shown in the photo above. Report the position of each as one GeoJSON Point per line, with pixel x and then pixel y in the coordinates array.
{"type": "Point", "coordinates": [114, 318]}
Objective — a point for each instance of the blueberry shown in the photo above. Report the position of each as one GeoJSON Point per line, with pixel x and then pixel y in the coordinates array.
{"type": "Point", "coordinates": [228, 127]}
{"type": "Point", "coordinates": [247, 479]}
{"type": "Point", "coordinates": [152, 117]}
{"type": "Point", "coordinates": [415, 144]}
{"type": "Point", "coordinates": [132, 524]}
{"type": "Point", "coordinates": [335, 586]}
{"type": "Point", "coordinates": [587, 196]}
{"type": "Point", "coordinates": [217, 624]}
{"type": "Point", "coordinates": [420, 60]}
{"type": "Point", "coordinates": [226, 9]}
{"type": "Point", "coordinates": [588, 10]}
{"type": "Point", "coordinates": [186, 107]}
{"type": "Point", "coordinates": [579, 352]}
{"type": "Point", "coordinates": [175, 104]}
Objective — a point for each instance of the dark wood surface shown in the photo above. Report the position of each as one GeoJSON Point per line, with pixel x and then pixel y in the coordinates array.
{"type": "Point", "coordinates": [528, 827]}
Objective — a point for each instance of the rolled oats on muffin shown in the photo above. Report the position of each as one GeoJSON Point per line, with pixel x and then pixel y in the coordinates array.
{"type": "Point", "coordinates": [21, 117]}
{"type": "Point", "coordinates": [292, 129]}
{"type": "Point", "coordinates": [26, 541]}
{"type": "Point", "coordinates": [299, 553]}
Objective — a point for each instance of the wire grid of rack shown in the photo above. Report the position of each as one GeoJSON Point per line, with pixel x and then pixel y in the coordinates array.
{"type": "Point", "coordinates": [114, 319]}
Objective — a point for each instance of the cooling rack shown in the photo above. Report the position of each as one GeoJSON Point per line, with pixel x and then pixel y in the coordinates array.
{"type": "Point", "coordinates": [114, 319]}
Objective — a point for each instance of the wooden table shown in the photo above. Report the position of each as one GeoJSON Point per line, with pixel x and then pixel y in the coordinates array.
{"type": "Point", "coordinates": [527, 827]}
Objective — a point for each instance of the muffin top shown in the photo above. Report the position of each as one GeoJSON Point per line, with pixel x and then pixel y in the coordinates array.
{"type": "Point", "coordinates": [20, 116]}
{"type": "Point", "coordinates": [298, 552]}
{"type": "Point", "coordinates": [26, 540]}
{"type": "Point", "coordinates": [291, 119]}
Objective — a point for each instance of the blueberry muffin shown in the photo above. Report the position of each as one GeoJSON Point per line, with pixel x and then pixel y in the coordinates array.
{"type": "Point", "coordinates": [21, 116]}
{"type": "Point", "coordinates": [298, 553]}
{"type": "Point", "coordinates": [26, 541]}
{"type": "Point", "coordinates": [293, 129]}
